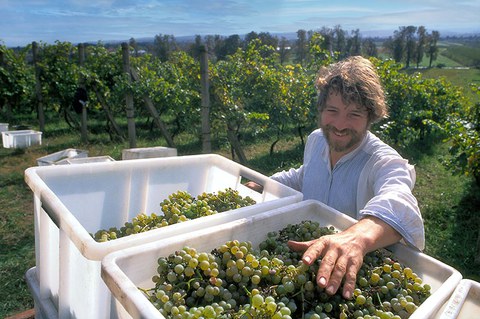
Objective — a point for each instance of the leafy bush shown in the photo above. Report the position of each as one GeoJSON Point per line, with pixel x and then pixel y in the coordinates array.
{"type": "Point", "coordinates": [464, 133]}
{"type": "Point", "coordinates": [418, 106]}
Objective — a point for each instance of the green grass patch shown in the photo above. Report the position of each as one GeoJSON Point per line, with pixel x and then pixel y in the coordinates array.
{"type": "Point", "coordinates": [466, 55]}
{"type": "Point", "coordinates": [17, 249]}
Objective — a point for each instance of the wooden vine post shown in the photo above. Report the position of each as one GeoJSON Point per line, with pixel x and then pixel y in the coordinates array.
{"type": "Point", "coordinates": [129, 97]}
{"type": "Point", "coordinates": [206, 142]}
{"type": "Point", "coordinates": [81, 85]}
{"type": "Point", "coordinates": [38, 88]}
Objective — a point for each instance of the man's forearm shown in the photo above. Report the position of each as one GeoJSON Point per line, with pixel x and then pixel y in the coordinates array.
{"type": "Point", "coordinates": [374, 233]}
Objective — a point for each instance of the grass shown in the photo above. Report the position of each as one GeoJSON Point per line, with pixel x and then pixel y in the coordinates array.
{"type": "Point", "coordinates": [449, 203]}
{"type": "Point", "coordinates": [16, 232]}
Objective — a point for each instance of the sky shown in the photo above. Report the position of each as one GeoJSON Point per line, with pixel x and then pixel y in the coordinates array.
{"type": "Point", "coordinates": [75, 21]}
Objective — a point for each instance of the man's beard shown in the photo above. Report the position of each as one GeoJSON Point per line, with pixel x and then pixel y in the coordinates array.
{"type": "Point", "coordinates": [340, 147]}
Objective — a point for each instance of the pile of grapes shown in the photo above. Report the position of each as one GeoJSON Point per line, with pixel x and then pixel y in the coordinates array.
{"type": "Point", "coordinates": [178, 207]}
{"type": "Point", "coordinates": [235, 280]}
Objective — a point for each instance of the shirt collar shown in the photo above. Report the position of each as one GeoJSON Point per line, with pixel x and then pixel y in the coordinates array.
{"type": "Point", "coordinates": [326, 151]}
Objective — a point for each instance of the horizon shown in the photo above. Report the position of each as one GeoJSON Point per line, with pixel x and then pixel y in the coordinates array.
{"type": "Point", "coordinates": [76, 21]}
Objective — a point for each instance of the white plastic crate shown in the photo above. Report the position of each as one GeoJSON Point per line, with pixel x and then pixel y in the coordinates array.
{"type": "Point", "coordinates": [44, 308]}
{"type": "Point", "coordinates": [92, 159]}
{"type": "Point", "coordinates": [61, 157]}
{"type": "Point", "coordinates": [72, 201]}
{"type": "Point", "coordinates": [464, 303]}
{"type": "Point", "coordinates": [148, 152]}
{"type": "Point", "coordinates": [21, 138]}
{"type": "Point", "coordinates": [124, 271]}
{"type": "Point", "coordinates": [3, 127]}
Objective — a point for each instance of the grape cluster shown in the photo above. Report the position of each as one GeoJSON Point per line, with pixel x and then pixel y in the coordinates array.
{"type": "Point", "coordinates": [236, 280]}
{"type": "Point", "coordinates": [178, 207]}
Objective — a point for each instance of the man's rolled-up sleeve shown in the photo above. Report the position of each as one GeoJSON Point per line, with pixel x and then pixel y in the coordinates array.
{"type": "Point", "coordinates": [393, 201]}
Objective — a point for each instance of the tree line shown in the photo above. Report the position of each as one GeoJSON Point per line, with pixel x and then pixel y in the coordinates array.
{"type": "Point", "coordinates": [407, 44]}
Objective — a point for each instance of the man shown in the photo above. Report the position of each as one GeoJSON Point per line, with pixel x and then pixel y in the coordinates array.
{"type": "Point", "coordinates": [348, 168]}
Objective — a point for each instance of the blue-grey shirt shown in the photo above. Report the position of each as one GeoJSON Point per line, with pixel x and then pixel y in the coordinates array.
{"type": "Point", "coordinates": [371, 180]}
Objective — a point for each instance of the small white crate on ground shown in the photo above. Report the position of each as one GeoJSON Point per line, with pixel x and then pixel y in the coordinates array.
{"type": "Point", "coordinates": [61, 157]}
{"type": "Point", "coordinates": [464, 303]}
{"type": "Point", "coordinates": [44, 308]}
{"type": "Point", "coordinates": [93, 159]}
{"type": "Point", "coordinates": [124, 271]}
{"type": "Point", "coordinates": [73, 201]}
{"type": "Point", "coordinates": [148, 152]}
{"type": "Point", "coordinates": [21, 138]}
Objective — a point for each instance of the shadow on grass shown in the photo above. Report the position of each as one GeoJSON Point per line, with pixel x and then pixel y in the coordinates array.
{"type": "Point", "coordinates": [453, 232]}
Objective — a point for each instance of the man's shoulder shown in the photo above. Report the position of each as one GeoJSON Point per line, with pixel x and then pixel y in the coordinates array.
{"type": "Point", "coordinates": [375, 146]}
{"type": "Point", "coordinates": [315, 134]}
{"type": "Point", "coordinates": [317, 138]}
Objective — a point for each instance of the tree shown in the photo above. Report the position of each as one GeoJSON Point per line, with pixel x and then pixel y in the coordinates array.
{"type": "Point", "coordinates": [250, 37]}
{"type": "Point", "coordinates": [267, 39]}
{"type": "Point", "coordinates": [340, 41]}
{"type": "Point", "coordinates": [328, 39]}
{"type": "Point", "coordinates": [422, 40]}
{"type": "Point", "coordinates": [411, 44]}
{"type": "Point", "coordinates": [213, 43]}
{"type": "Point", "coordinates": [432, 48]}
{"type": "Point", "coordinates": [396, 45]}
{"type": "Point", "coordinates": [301, 47]}
{"type": "Point", "coordinates": [196, 47]}
{"type": "Point", "coordinates": [319, 55]}
{"type": "Point", "coordinates": [164, 45]}
{"type": "Point", "coordinates": [283, 50]}
{"type": "Point", "coordinates": [369, 48]}
{"type": "Point", "coordinates": [134, 45]}
{"type": "Point", "coordinates": [229, 46]}
{"type": "Point", "coordinates": [355, 43]}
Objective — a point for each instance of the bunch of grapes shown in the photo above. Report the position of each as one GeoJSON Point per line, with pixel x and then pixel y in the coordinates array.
{"type": "Point", "coordinates": [178, 207]}
{"type": "Point", "coordinates": [228, 199]}
{"type": "Point", "coordinates": [236, 280]}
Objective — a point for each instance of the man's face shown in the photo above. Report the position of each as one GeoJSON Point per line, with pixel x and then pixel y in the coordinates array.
{"type": "Point", "coordinates": [344, 125]}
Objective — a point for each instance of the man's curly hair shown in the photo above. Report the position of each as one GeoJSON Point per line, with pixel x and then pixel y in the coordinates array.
{"type": "Point", "coordinates": [357, 81]}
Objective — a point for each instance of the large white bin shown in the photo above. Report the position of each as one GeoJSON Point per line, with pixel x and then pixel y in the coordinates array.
{"type": "Point", "coordinates": [72, 201]}
{"type": "Point", "coordinates": [61, 157]}
{"type": "Point", "coordinates": [464, 303]}
{"type": "Point", "coordinates": [44, 308]}
{"type": "Point", "coordinates": [21, 138]}
{"type": "Point", "coordinates": [124, 271]}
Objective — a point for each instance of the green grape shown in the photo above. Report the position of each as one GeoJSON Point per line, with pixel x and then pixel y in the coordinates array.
{"type": "Point", "coordinates": [257, 301]}
{"type": "Point", "coordinates": [360, 300]}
